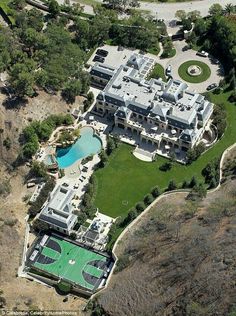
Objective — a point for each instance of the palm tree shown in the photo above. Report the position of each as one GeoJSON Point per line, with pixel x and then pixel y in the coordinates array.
{"type": "Point", "coordinates": [229, 9]}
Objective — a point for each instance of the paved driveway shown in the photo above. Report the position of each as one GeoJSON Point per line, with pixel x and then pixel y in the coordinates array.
{"type": "Point", "coordinates": [181, 57]}
{"type": "Point", "coordinates": [167, 11]}
{"type": "Point", "coordinates": [115, 58]}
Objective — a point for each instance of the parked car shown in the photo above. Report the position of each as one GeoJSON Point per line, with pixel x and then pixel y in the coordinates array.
{"type": "Point", "coordinates": [185, 48]}
{"type": "Point", "coordinates": [211, 86]}
{"type": "Point", "coordinates": [102, 52]}
{"type": "Point", "coordinates": [202, 53]}
{"type": "Point", "coordinates": [215, 61]}
{"type": "Point", "coordinates": [168, 70]}
{"type": "Point", "coordinates": [99, 59]}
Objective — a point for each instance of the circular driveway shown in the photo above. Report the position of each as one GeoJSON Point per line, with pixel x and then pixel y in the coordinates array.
{"type": "Point", "coordinates": [183, 56]}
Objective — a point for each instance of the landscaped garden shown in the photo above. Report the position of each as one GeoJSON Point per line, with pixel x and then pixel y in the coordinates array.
{"type": "Point", "coordinates": [158, 72]}
{"type": "Point", "coordinates": [125, 180]}
{"type": "Point", "coordinates": [202, 71]}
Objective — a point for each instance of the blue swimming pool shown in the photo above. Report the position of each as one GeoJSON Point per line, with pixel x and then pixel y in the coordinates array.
{"type": "Point", "coordinates": [88, 144]}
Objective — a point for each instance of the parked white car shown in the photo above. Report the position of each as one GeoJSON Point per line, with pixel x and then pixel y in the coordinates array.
{"type": "Point", "coordinates": [202, 53]}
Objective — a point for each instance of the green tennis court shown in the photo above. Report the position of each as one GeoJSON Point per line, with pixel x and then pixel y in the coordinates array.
{"type": "Point", "coordinates": [71, 262]}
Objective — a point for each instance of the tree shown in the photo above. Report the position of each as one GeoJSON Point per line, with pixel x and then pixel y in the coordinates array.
{"type": "Point", "coordinates": [53, 8]}
{"type": "Point", "coordinates": [185, 184]}
{"type": "Point", "coordinates": [194, 15]}
{"type": "Point", "coordinates": [81, 218]}
{"type": "Point", "coordinates": [90, 97]}
{"type": "Point", "coordinates": [82, 32]}
{"type": "Point", "coordinates": [23, 84]}
{"type": "Point", "coordinates": [216, 9]}
{"type": "Point", "coordinates": [197, 192]}
{"type": "Point", "coordinates": [194, 153]}
{"type": "Point", "coordinates": [172, 185]}
{"type": "Point", "coordinates": [193, 182]}
{"type": "Point", "coordinates": [99, 30]}
{"type": "Point", "coordinates": [172, 157]}
{"type": "Point", "coordinates": [71, 90]}
{"type": "Point", "coordinates": [17, 4]}
{"type": "Point", "coordinates": [30, 148]}
{"type": "Point", "coordinates": [86, 200]}
{"type": "Point", "coordinates": [229, 9]}
{"type": "Point", "coordinates": [38, 169]}
{"type": "Point", "coordinates": [181, 15]}
{"type": "Point", "coordinates": [187, 25]}
{"type": "Point", "coordinates": [110, 146]}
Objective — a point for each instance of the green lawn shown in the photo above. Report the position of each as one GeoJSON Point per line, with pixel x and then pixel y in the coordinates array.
{"type": "Point", "coordinates": [126, 180]}
{"type": "Point", "coordinates": [183, 71]}
{"type": "Point", "coordinates": [157, 72]}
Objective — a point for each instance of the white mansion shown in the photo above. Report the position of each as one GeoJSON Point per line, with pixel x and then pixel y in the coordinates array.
{"type": "Point", "coordinates": [162, 114]}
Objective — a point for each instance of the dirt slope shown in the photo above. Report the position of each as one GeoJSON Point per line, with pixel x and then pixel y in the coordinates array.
{"type": "Point", "coordinates": [20, 293]}
{"type": "Point", "coordinates": [180, 260]}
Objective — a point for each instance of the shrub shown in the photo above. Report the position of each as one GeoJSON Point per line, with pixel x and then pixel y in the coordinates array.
{"type": "Point", "coordinates": [86, 200]}
{"type": "Point", "coordinates": [40, 226]}
{"type": "Point", "coordinates": [73, 236]}
{"type": "Point", "coordinates": [43, 195]}
{"type": "Point", "coordinates": [140, 207]}
{"type": "Point", "coordinates": [193, 182]}
{"type": "Point", "coordinates": [185, 184]}
{"type": "Point", "coordinates": [198, 192]}
{"type": "Point", "coordinates": [5, 187]}
{"type": "Point", "coordinates": [10, 222]}
{"type": "Point", "coordinates": [122, 263]}
{"type": "Point", "coordinates": [7, 143]}
{"type": "Point", "coordinates": [2, 301]}
{"type": "Point", "coordinates": [156, 192]}
{"type": "Point", "coordinates": [194, 153]}
{"type": "Point", "coordinates": [166, 166]}
{"type": "Point", "coordinates": [148, 199]}
{"type": "Point", "coordinates": [103, 159]}
{"type": "Point", "coordinates": [110, 145]}
{"type": "Point", "coordinates": [172, 185]}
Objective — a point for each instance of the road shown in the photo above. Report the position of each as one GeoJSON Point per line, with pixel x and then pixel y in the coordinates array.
{"type": "Point", "coordinates": [167, 11]}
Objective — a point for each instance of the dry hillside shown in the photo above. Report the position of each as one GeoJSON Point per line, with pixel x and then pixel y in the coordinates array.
{"type": "Point", "coordinates": [179, 260]}
{"type": "Point", "coordinates": [18, 293]}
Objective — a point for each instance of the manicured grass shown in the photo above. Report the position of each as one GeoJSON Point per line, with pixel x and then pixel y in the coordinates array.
{"type": "Point", "coordinates": [154, 50]}
{"type": "Point", "coordinates": [126, 180]}
{"type": "Point", "coordinates": [157, 72]}
{"type": "Point", "coordinates": [183, 71]}
{"type": "Point", "coordinates": [168, 53]}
